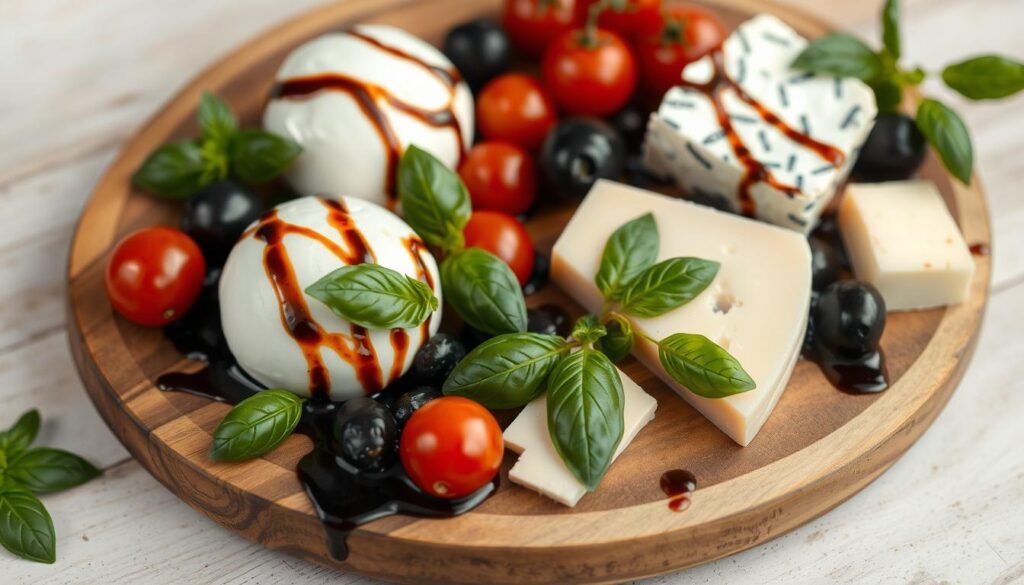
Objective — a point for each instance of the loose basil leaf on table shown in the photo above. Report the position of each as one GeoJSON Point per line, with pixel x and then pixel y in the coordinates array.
{"type": "Point", "coordinates": [174, 171]}
{"type": "Point", "coordinates": [618, 343]}
{"type": "Point", "coordinates": [948, 135]}
{"type": "Point", "coordinates": [588, 329]}
{"type": "Point", "coordinates": [18, 438]}
{"type": "Point", "coordinates": [840, 55]}
{"type": "Point", "coordinates": [668, 285]}
{"type": "Point", "coordinates": [375, 297]}
{"type": "Point", "coordinates": [46, 470]}
{"type": "Point", "coordinates": [629, 251]}
{"type": "Point", "coordinates": [483, 291]}
{"type": "Point", "coordinates": [216, 120]}
{"type": "Point", "coordinates": [434, 200]}
{"type": "Point", "coordinates": [891, 28]}
{"type": "Point", "coordinates": [704, 367]}
{"type": "Point", "coordinates": [26, 528]}
{"type": "Point", "coordinates": [507, 371]}
{"type": "Point", "coordinates": [258, 156]}
{"type": "Point", "coordinates": [256, 425]}
{"type": "Point", "coordinates": [585, 414]}
{"type": "Point", "coordinates": [987, 77]}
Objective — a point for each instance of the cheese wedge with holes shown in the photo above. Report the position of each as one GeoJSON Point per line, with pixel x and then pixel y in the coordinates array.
{"type": "Point", "coordinates": [539, 466]}
{"type": "Point", "coordinates": [756, 308]}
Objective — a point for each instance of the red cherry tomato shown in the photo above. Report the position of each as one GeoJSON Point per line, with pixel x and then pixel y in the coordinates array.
{"type": "Point", "coordinates": [516, 108]}
{"type": "Point", "coordinates": [501, 235]}
{"type": "Point", "coordinates": [633, 19]}
{"type": "Point", "coordinates": [531, 24]}
{"type": "Point", "coordinates": [590, 76]}
{"type": "Point", "coordinates": [155, 275]}
{"type": "Point", "coordinates": [500, 177]}
{"type": "Point", "coordinates": [451, 447]}
{"type": "Point", "coordinates": [688, 33]}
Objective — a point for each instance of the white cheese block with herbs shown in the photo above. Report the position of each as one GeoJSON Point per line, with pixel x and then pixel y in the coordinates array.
{"type": "Point", "coordinates": [541, 469]}
{"type": "Point", "coordinates": [687, 143]}
{"type": "Point", "coordinates": [756, 307]}
{"type": "Point", "coordinates": [902, 239]}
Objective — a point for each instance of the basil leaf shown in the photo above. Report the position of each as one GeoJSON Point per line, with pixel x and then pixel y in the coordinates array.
{"type": "Point", "coordinates": [507, 371]}
{"type": "Point", "coordinates": [840, 55]}
{"type": "Point", "coordinates": [702, 366]}
{"type": "Point", "coordinates": [891, 28]}
{"type": "Point", "coordinates": [375, 297]}
{"type": "Point", "coordinates": [216, 120]}
{"type": "Point", "coordinates": [18, 438]}
{"type": "Point", "coordinates": [668, 285]}
{"type": "Point", "coordinates": [988, 77]}
{"type": "Point", "coordinates": [26, 528]}
{"type": "Point", "coordinates": [618, 343]}
{"type": "Point", "coordinates": [585, 414]}
{"type": "Point", "coordinates": [175, 171]}
{"type": "Point", "coordinates": [258, 156]}
{"type": "Point", "coordinates": [256, 425]}
{"type": "Point", "coordinates": [483, 291]}
{"type": "Point", "coordinates": [629, 251]}
{"type": "Point", "coordinates": [948, 135]}
{"type": "Point", "coordinates": [888, 94]}
{"type": "Point", "coordinates": [434, 200]}
{"type": "Point", "coordinates": [588, 329]}
{"type": "Point", "coordinates": [46, 470]}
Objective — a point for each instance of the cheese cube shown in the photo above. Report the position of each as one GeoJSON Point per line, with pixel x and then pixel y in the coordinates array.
{"type": "Point", "coordinates": [539, 466]}
{"type": "Point", "coordinates": [902, 239]}
{"type": "Point", "coordinates": [686, 140]}
{"type": "Point", "coordinates": [756, 308]}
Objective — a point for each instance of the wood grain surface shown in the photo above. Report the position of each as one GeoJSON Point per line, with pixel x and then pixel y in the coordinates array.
{"type": "Point", "coordinates": [27, 364]}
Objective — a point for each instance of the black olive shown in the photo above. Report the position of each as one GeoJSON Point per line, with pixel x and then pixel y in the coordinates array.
{"type": "Point", "coordinates": [825, 263]}
{"type": "Point", "coordinates": [365, 434]}
{"type": "Point", "coordinates": [437, 358]}
{"type": "Point", "coordinates": [894, 150]}
{"type": "Point", "coordinates": [480, 50]}
{"type": "Point", "coordinates": [631, 123]}
{"type": "Point", "coordinates": [541, 274]}
{"type": "Point", "coordinates": [411, 401]}
{"type": "Point", "coordinates": [548, 320]}
{"type": "Point", "coordinates": [849, 318]}
{"type": "Point", "coordinates": [578, 152]}
{"type": "Point", "coordinates": [216, 216]}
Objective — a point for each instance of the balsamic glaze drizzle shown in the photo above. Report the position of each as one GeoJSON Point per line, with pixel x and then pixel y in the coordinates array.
{"type": "Point", "coordinates": [678, 485]}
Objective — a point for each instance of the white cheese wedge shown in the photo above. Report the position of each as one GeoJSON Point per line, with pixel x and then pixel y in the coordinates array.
{"type": "Point", "coordinates": [541, 469]}
{"type": "Point", "coordinates": [756, 308]}
{"type": "Point", "coordinates": [686, 141]}
{"type": "Point", "coordinates": [902, 239]}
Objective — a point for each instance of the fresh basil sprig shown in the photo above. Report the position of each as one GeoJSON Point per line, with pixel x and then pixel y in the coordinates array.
{"type": "Point", "coordinates": [26, 528]}
{"type": "Point", "coordinates": [375, 297]}
{"type": "Point", "coordinates": [629, 251]}
{"type": "Point", "coordinates": [435, 202]}
{"type": "Point", "coordinates": [256, 425]}
{"type": "Point", "coordinates": [178, 169]}
{"type": "Point", "coordinates": [506, 371]}
{"type": "Point", "coordinates": [667, 286]}
{"type": "Point", "coordinates": [618, 342]}
{"type": "Point", "coordinates": [986, 77]}
{"type": "Point", "coordinates": [484, 291]}
{"type": "Point", "coordinates": [585, 414]}
{"type": "Point", "coordinates": [702, 366]}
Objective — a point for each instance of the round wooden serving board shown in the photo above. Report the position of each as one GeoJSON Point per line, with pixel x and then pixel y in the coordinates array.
{"type": "Point", "coordinates": [818, 448]}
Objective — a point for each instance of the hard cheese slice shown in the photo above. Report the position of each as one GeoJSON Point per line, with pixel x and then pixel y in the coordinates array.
{"type": "Point", "coordinates": [902, 239]}
{"type": "Point", "coordinates": [541, 469]}
{"type": "Point", "coordinates": [686, 139]}
{"type": "Point", "coordinates": [756, 308]}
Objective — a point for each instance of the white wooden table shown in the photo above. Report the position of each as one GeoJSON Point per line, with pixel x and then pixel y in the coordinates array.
{"type": "Point", "coordinates": [79, 76]}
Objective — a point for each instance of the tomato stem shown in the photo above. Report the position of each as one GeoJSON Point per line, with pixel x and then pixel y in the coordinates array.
{"type": "Point", "coordinates": [674, 31]}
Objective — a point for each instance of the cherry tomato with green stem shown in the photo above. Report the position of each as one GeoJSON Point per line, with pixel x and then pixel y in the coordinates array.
{"type": "Point", "coordinates": [590, 72]}
{"type": "Point", "coordinates": [632, 19]}
{"type": "Point", "coordinates": [688, 33]}
{"type": "Point", "coordinates": [532, 24]}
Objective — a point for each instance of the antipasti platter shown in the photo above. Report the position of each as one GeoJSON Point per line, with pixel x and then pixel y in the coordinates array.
{"type": "Point", "coordinates": [451, 291]}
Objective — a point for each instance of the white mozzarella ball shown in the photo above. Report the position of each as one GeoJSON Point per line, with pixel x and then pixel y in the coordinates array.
{"type": "Point", "coordinates": [255, 325]}
{"type": "Point", "coordinates": [344, 149]}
